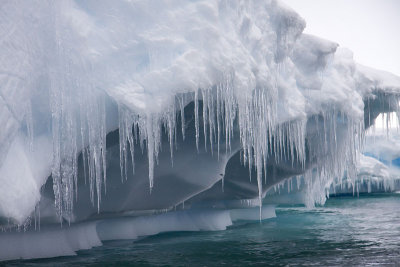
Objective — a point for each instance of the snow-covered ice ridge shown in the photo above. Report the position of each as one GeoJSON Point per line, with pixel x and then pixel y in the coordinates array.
{"type": "Point", "coordinates": [117, 107]}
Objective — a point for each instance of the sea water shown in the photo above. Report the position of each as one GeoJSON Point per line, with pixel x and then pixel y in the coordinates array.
{"type": "Point", "coordinates": [347, 231]}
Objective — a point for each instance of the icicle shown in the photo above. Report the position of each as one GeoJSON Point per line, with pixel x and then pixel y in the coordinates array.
{"type": "Point", "coordinates": [182, 108]}
{"type": "Point", "coordinates": [196, 116]}
{"type": "Point", "coordinates": [205, 119]}
{"type": "Point", "coordinates": [153, 143]}
{"type": "Point", "coordinates": [218, 119]}
{"type": "Point", "coordinates": [259, 181]}
{"type": "Point", "coordinates": [211, 120]}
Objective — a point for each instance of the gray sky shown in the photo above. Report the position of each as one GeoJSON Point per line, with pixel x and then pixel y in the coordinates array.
{"type": "Point", "coordinates": [370, 28]}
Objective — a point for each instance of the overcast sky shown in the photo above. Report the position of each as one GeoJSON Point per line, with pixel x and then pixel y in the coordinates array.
{"type": "Point", "coordinates": [370, 28]}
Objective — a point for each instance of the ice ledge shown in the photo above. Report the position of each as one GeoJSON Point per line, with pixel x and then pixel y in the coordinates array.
{"type": "Point", "coordinates": [53, 241]}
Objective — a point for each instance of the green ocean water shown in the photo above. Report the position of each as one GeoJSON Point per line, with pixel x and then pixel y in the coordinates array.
{"type": "Point", "coordinates": [347, 231]}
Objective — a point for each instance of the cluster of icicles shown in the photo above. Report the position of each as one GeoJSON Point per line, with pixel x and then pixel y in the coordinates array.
{"type": "Point", "coordinates": [81, 127]}
{"type": "Point", "coordinates": [331, 160]}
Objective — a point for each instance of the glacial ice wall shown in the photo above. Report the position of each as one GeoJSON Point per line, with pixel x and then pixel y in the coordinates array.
{"type": "Point", "coordinates": [96, 96]}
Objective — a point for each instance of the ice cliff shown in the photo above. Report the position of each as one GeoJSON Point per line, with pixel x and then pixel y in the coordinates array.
{"type": "Point", "coordinates": [121, 108]}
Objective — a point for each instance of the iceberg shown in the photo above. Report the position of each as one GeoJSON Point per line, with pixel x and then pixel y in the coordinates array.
{"type": "Point", "coordinates": [113, 111]}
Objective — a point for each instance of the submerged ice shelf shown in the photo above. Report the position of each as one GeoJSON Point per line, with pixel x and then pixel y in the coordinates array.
{"type": "Point", "coordinates": [149, 106]}
{"type": "Point", "coordinates": [53, 241]}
